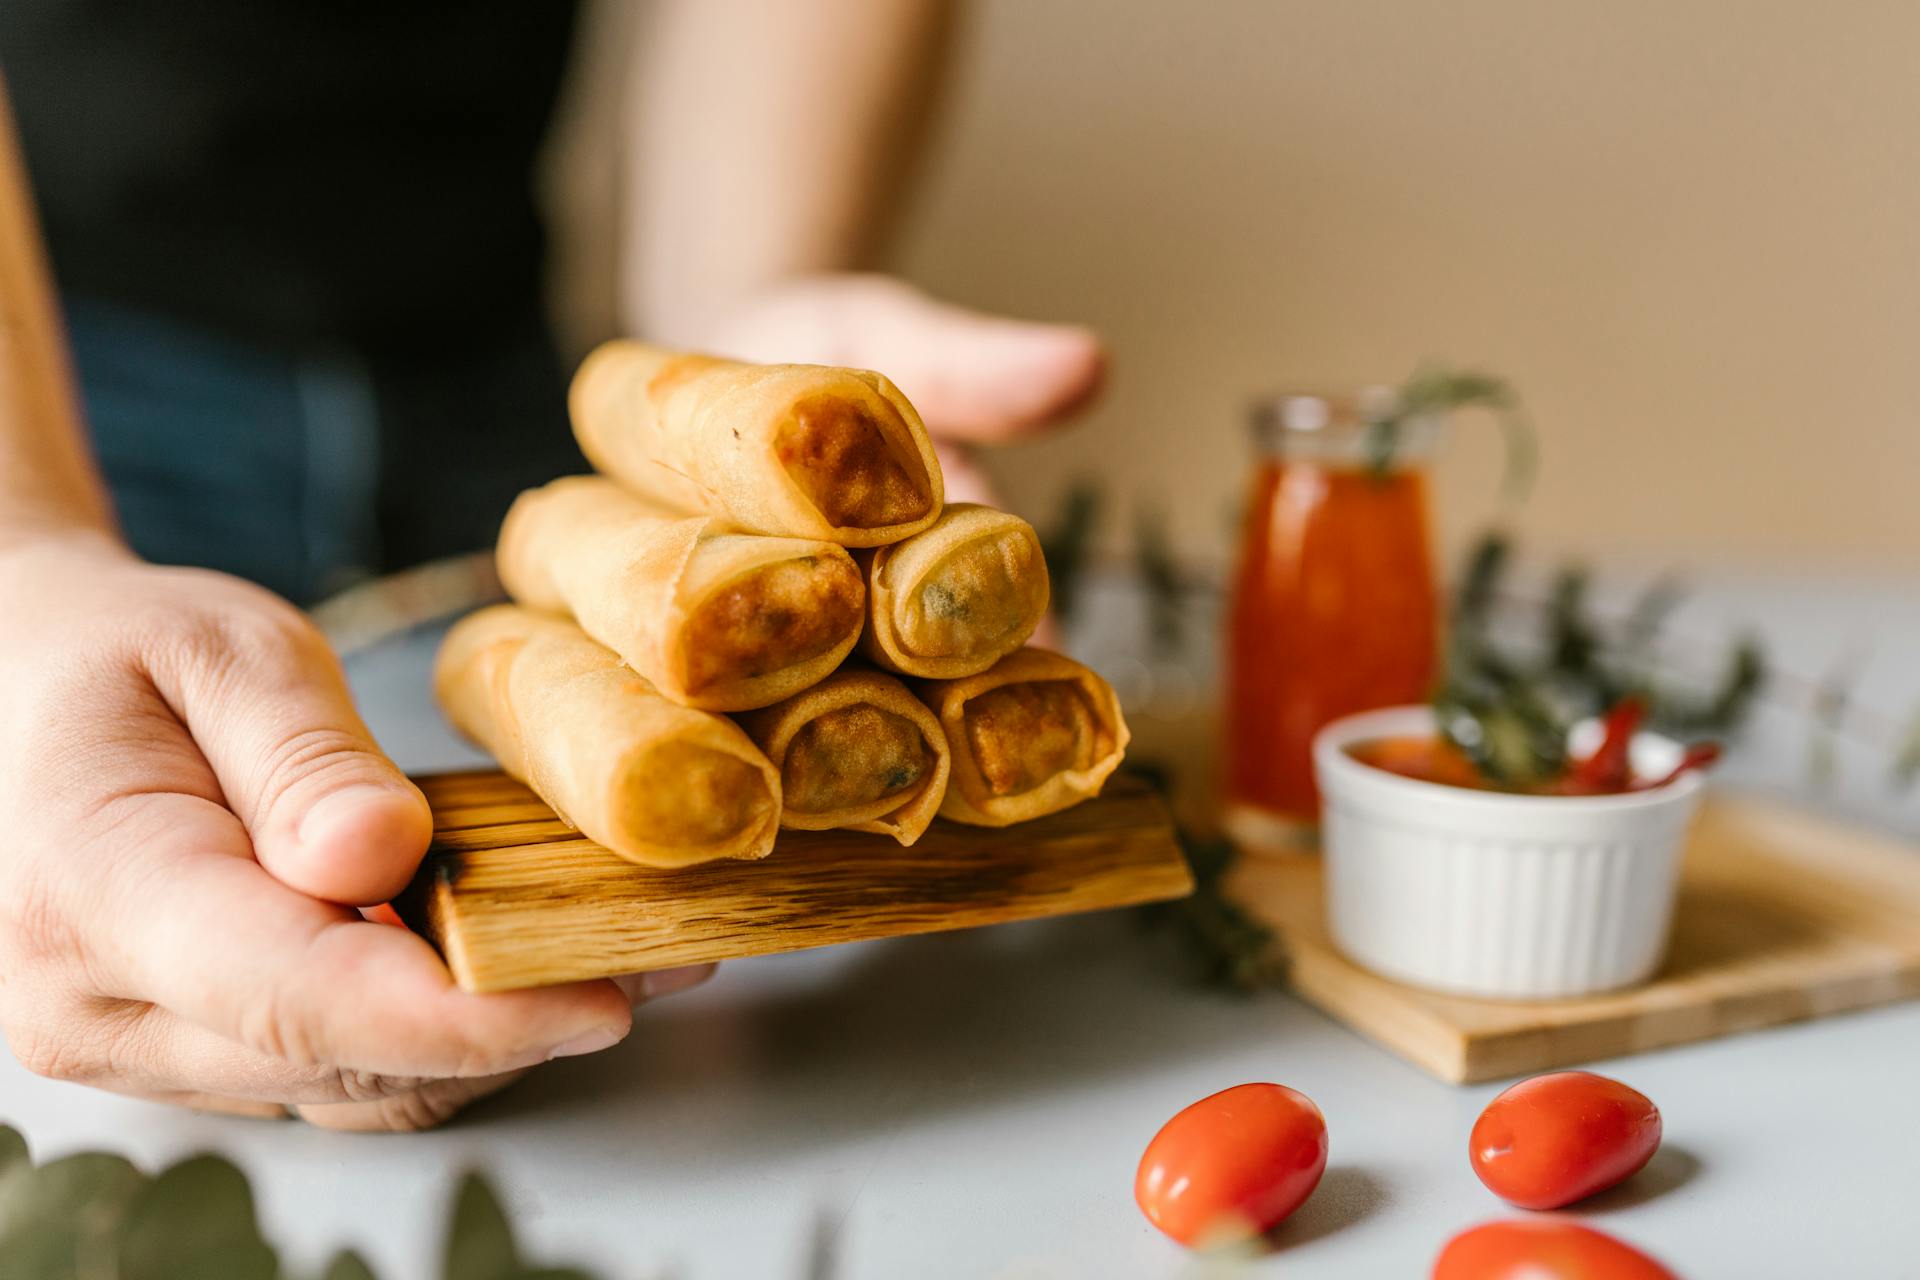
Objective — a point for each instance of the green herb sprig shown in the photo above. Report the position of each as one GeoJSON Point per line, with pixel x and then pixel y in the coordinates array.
{"type": "Point", "coordinates": [1225, 946]}
{"type": "Point", "coordinates": [1437, 390]}
{"type": "Point", "coordinates": [1067, 544]}
{"type": "Point", "coordinates": [1906, 761]}
{"type": "Point", "coordinates": [1162, 577]}
{"type": "Point", "coordinates": [1510, 711]}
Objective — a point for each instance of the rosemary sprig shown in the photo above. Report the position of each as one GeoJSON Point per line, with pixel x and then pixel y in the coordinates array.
{"type": "Point", "coordinates": [1225, 946]}
{"type": "Point", "coordinates": [1479, 585]}
{"type": "Point", "coordinates": [1906, 761]}
{"type": "Point", "coordinates": [1586, 665]}
{"type": "Point", "coordinates": [1722, 710]}
{"type": "Point", "coordinates": [1510, 713]}
{"type": "Point", "coordinates": [1640, 635]}
{"type": "Point", "coordinates": [1228, 947]}
{"type": "Point", "coordinates": [1163, 579]}
{"type": "Point", "coordinates": [1831, 701]}
{"type": "Point", "coordinates": [1068, 543]}
{"type": "Point", "coordinates": [1436, 390]}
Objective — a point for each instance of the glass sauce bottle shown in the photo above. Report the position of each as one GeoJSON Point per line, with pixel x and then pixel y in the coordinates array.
{"type": "Point", "coordinates": [1334, 608]}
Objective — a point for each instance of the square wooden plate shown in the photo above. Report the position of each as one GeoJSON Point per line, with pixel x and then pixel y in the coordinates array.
{"type": "Point", "coordinates": [1782, 914]}
{"type": "Point", "coordinates": [513, 897]}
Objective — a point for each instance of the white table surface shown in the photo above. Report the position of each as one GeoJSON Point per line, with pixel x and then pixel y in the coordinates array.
{"type": "Point", "coordinates": [973, 1105]}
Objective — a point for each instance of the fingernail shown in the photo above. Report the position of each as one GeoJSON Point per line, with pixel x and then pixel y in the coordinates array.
{"type": "Point", "coordinates": [664, 982]}
{"type": "Point", "coordinates": [339, 806]}
{"type": "Point", "coordinates": [588, 1042]}
{"type": "Point", "coordinates": [641, 987]}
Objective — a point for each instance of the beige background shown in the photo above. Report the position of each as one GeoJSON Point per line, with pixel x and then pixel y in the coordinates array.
{"type": "Point", "coordinates": [1687, 231]}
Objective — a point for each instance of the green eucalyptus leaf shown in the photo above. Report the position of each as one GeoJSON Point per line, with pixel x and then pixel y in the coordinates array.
{"type": "Point", "coordinates": [228, 1260]}
{"type": "Point", "coordinates": [13, 1148]}
{"type": "Point", "coordinates": [552, 1273]}
{"type": "Point", "coordinates": [348, 1265]}
{"type": "Point", "coordinates": [90, 1182]}
{"type": "Point", "coordinates": [63, 1213]}
{"type": "Point", "coordinates": [479, 1237]}
{"type": "Point", "coordinates": [40, 1251]}
{"type": "Point", "coordinates": [194, 1219]}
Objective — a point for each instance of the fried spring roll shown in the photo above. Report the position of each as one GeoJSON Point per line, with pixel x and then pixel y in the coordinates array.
{"type": "Point", "coordinates": [857, 750]}
{"type": "Point", "coordinates": [1034, 734]}
{"type": "Point", "coordinates": [791, 450]}
{"type": "Point", "coordinates": [657, 783]}
{"type": "Point", "coordinates": [955, 598]}
{"type": "Point", "coordinates": [720, 621]}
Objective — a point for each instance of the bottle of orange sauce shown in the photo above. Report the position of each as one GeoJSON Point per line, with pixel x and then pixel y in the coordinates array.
{"type": "Point", "coordinates": [1333, 609]}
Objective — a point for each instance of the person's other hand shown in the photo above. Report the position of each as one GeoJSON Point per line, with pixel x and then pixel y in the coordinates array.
{"type": "Point", "coordinates": [976, 379]}
{"type": "Point", "coordinates": [193, 811]}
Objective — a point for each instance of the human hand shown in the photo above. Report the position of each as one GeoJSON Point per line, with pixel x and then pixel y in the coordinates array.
{"type": "Point", "coordinates": [194, 810]}
{"type": "Point", "coordinates": [976, 379]}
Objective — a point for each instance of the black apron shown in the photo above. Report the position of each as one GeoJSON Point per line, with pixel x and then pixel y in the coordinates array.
{"type": "Point", "coordinates": [302, 258]}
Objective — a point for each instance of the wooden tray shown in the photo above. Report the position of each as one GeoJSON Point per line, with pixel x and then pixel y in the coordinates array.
{"type": "Point", "coordinates": [1782, 915]}
{"type": "Point", "coordinates": [513, 897]}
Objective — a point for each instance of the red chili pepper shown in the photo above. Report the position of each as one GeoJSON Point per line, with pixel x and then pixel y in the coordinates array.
{"type": "Point", "coordinates": [1609, 768]}
{"type": "Point", "coordinates": [1700, 755]}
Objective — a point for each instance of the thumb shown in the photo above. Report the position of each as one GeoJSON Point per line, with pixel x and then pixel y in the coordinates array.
{"type": "Point", "coordinates": [267, 704]}
{"type": "Point", "coordinates": [974, 377]}
{"type": "Point", "coordinates": [985, 380]}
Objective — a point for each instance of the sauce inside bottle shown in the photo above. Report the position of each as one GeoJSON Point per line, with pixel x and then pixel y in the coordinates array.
{"type": "Point", "coordinates": [1334, 607]}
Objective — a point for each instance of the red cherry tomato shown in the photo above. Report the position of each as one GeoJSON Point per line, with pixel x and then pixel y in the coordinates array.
{"type": "Point", "coordinates": [1558, 1138]}
{"type": "Point", "coordinates": [1232, 1165]}
{"type": "Point", "coordinates": [1542, 1249]}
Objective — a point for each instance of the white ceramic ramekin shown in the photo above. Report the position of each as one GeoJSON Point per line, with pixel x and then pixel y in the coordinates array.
{"type": "Point", "coordinates": [1485, 894]}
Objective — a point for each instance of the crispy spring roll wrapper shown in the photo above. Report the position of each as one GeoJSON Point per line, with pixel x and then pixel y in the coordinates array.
{"type": "Point", "coordinates": [955, 598]}
{"type": "Point", "coordinates": [720, 621]}
{"type": "Point", "coordinates": [791, 450]}
{"type": "Point", "coordinates": [657, 783]}
{"type": "Point", "coordinates": [857, 750]}
{"type": "Point", "coordinates": [1032, 735]}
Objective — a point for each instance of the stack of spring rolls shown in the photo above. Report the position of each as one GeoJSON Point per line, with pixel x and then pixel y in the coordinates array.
{"type": "Point", "coordinates": [762, 614]}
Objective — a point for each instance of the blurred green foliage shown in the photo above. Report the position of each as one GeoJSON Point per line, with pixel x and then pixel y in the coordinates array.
{"type": "Point", "coordinates": [94, 1216]}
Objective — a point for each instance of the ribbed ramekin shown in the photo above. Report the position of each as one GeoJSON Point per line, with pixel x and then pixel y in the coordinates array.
{"type": "Point", "coordinates": [1485, 894]}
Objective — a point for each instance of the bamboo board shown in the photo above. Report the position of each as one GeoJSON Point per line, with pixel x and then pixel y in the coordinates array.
{"type": "Point", "coordinates": [1782, 915]}
{"type": "Point", "coordinates": [513, 897]}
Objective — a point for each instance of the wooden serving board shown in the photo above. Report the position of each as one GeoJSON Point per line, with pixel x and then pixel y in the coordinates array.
{"type": "Point", "coordinates": [513, 897]}
{"type": "Point", "coordinates": [1782, 915]}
